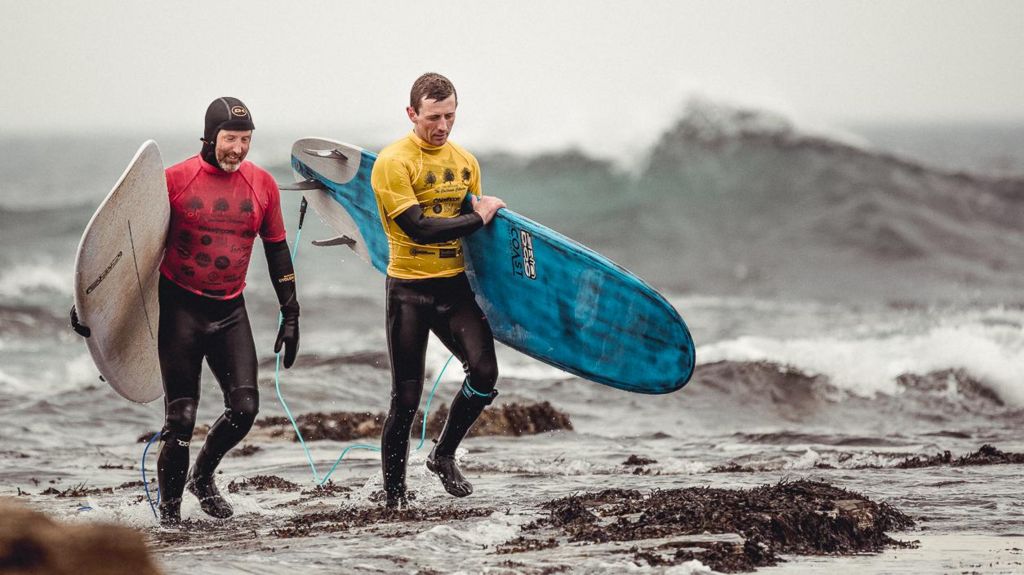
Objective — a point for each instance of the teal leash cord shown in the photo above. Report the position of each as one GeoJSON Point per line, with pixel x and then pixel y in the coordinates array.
{"type": "Point", "coordinates": [280, 397]}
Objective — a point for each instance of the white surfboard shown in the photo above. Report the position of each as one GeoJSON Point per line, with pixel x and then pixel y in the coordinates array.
{"type": "Point", "coordinates": [117, 272]}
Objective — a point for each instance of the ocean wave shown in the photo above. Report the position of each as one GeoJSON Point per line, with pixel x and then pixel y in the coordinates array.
{"type": "Point", "coordinates": [20, 281]}
{"type": "Point", "coordinates": [965, 357]}
{"type": "Point", "coordinates": [8, 382]}
{"type": "Point", "coordinates": [570, 467]}
{"type": "Point", "coordinates": [730, 201]}
{"type": "Point", "coordinates": [772, 394]}
{"type": "Point", "coordinates": [791, 437]}
{"type": "Point", "coordinates": [75, 374]}
{"type": "Point", "coordinates": [809, 458]}
{"type": "Point", "coordinates": [742, 202]}
{"type": "Point", "coordinates": [28, 205]}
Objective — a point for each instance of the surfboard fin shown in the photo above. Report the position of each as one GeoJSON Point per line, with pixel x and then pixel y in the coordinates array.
{"type": "Point", "coordinates": [332, 153]}
{"type": "Point", "coordinates": [301, 186]}
{"type": "Point", "coordinates": [336, 241]}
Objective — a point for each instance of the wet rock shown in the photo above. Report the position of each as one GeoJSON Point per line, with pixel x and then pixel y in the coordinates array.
{"type": "Point", "coordinates": [523, 544]}
{"type": "Point", "coordinates": [146, 436]}
{"type": "Point", "coordinates": [638, 460]}
{"type": "Point", "coordinates": [728, 557]}
{"type": "Point", "coordinates": [510, 419]}
{"type": "Point", "coordinates": [336, 426]}
{"type": "Point", "coordinates": [985, 455]}
{"type": "Point", "coordinates": [732, 467]}
{"type": "Point", "coordinates": [33, 544]}
{"type": "Point", "coordinates": [245, 451]}
{"type": "Point", "coordinates": [801, 517]}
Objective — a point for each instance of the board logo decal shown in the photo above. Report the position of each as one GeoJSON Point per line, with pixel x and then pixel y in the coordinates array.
{"type": "Point", "coordinates": [103, 275]}
{"type": "Point", "coordinates": [523, 262]}
{"type": "Point", "coordinates": [529, 262]}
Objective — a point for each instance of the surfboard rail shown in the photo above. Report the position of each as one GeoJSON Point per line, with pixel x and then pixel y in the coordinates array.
{"type": "Point", "coordinates": [117, 273]}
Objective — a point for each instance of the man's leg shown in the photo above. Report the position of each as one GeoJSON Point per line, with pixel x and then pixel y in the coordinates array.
{"type": "Point", "coordinates": [464, 329]}
{"type": "Point", "coordinates": [231, 354]}
{"type": "Point", "coordinates": [180, 348]}
{"type": "Point", "coordinates": [407, 331]}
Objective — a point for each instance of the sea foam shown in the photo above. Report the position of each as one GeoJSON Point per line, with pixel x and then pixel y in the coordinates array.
{"type": "Point", "coordinates": [988, 345]}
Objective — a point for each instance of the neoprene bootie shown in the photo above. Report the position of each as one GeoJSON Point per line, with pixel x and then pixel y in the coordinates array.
{"type": "Point", "coordinates": [395, 499]}
{"type": "Point", "coordinates": [210, 500]}
{"type": "Point", "coordinates": [448, 471]}
{"type": "Point", "coordinates": [170, 512]}
{"type": "Point", "coordinates": [466, 408]}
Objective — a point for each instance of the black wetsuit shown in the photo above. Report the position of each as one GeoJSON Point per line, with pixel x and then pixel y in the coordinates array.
{"type": "Point", "coordinates": [423, 194]}
{"type": "Point", "coordinates": [193, 328]}
{"type": "Point", "coordinates": [447, 307]}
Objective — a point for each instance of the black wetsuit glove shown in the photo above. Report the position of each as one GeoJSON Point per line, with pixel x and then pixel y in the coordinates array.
{"type": "Point", "coordinates": [426, 230]}
{"type": "Point", "coordinates": [80, 329]}
{"type": "Point", "coordinates": [282, 274]}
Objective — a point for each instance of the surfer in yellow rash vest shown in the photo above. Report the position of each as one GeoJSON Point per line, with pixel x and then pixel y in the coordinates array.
{"type": "Point", "coordinates": [421, 183]}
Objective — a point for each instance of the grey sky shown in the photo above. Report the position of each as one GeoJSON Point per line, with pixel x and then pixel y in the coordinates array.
{"type": "Point", "coordinates": [529, 72]}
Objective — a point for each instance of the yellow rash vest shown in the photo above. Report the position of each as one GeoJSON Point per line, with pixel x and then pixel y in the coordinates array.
{"type": "Point", "coordinates": [409, 172]}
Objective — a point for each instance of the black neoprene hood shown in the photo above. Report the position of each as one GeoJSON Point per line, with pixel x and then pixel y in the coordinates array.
{"type": "Point", "coordinates": [226, 113]}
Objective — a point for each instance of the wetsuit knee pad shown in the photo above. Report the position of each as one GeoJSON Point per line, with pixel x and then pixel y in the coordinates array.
{"type": "Point", "coordinates": [179, 421]}
{"type": "Point", "coordinates": [484, 375]}
{"type": "Point", "coordinates": [243, 406]}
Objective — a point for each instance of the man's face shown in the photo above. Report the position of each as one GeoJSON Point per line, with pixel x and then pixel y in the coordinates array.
{"type": "Point", "coordinates": [433, 123]}
{"type": "Point", "coordinates": [232, 147]}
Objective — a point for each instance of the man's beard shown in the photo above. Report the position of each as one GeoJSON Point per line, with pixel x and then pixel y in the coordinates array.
{"type": "Point", "coordinates": [229, 165]}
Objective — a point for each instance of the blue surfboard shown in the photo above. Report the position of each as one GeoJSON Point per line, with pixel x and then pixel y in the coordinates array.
{"type": "Point", "coordinates": [544, 294]}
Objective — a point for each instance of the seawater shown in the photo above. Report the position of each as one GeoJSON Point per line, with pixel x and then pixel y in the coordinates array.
{"type": "Point", "coordinates": [852, 306]}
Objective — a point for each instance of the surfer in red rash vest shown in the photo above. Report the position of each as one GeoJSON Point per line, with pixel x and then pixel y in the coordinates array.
{"type": "Point", "coordinates": [219, 204]}
{"type": "Point", "coordinates": [421, 183]}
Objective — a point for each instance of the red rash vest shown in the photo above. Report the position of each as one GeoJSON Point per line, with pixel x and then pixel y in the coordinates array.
{"type": "Point", "coordinates": [215, 217]}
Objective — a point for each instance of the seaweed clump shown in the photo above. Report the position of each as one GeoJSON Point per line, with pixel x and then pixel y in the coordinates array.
{"type": "Point", "coordinates": [985, 455]}
{"type": "Point", "coordinates": [262, 483]}
{"type": "Point", "coordinates": [509, 419]}
{"type": "Point", "coordinates": [799, 518]}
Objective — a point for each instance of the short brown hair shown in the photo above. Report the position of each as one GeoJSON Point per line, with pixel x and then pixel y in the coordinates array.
{"type": "Point", "coordinates": [432, 87]}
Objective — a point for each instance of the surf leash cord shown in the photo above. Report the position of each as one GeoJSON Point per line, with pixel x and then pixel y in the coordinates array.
{"type": "Point", "coordinates": [284, 404]}
{"type": "Point", "coordinates": [145, 482]}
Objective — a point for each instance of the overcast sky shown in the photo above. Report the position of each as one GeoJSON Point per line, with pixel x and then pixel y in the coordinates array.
{"type": "Point", "coordinates": [529, 72]}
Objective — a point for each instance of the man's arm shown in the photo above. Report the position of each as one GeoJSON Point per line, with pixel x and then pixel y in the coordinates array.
{"type": "Point", "coordinates": [426, 230]}
{"type": "Point", "coordinates": [282, 274]}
